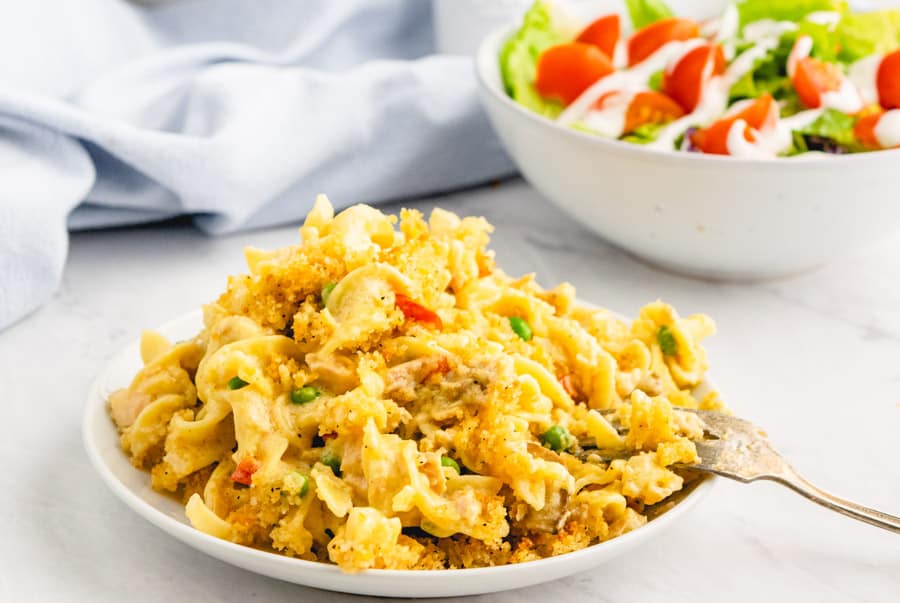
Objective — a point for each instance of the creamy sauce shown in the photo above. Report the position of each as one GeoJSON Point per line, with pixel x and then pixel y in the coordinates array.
{"type": "Point", "coordinates": [864, 75]}
{"type": "Point", "coordinates": [715, 97]}
{"type": "Point", "coordinates": [610, 120]}
{"type": "Point", "coordinates": [845, 98]}
{"type": "Point", "coordinates": [766, 29]}
{"type": "Point", "coordinates": [712, 104]}
{"type": "Point", "coordinates": [784, 130]}
{"type": "Point", "coordinates": [686, 49]}
{"type": "Point", "coordinates": [824, 17]}
{"type": "Point", "coordinates": [724, 27]}
{"type": "Point", "coordinates": [728, 28]}
{"type": "Point", "coordinates": [747, 59]}
{"type": "Point", "coordinates": [887, 130]}
{"type": "Point", "coordinates": [739, 146]}
{"type": "Point", "coordinates": [769, 139]}
{"type": "Point", "coordinates": [632, 80]}
{"type": "Point", "coordinates": [620, 54]}
{"type": "Point", "coordinates": [802, 48]}
{"type": "Point", "coordinates": [776, 137]}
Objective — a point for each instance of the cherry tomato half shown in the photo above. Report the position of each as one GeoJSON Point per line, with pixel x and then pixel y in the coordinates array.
{"type": "Point", "coordinates": [603, 33]}
{"type": "Point", "coordinates": [686, 80]}
{"type": "Point", "coordinates": [567, 70]}
{"type": "Point", "coordinates": [864, 130]}
{"type": "Point", "coordinates": [888, 81]}
{"type": "Point", "coordinates": [758, 114]}
{"type": "Point", "coordinates": [812, 78]}
{"type": "Point", "coordinates": [650, 108]}
{"type": "Point", "coordinates": [651, 38]}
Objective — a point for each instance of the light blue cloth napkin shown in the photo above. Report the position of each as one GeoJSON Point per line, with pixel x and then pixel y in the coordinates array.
{"type": "Point", "coordinates": [237, 112]}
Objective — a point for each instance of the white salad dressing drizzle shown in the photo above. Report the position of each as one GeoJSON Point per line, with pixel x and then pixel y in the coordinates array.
{"type": "Point", "coordinates": [710, 28]}
{"type": "Point", "coordinates": [766, 29]}
{"type": "Point", "coordinates": [783, 135]}
{"type": "Point", "coordinates": [765, 34]}
{"type": "Point", "coordinates": [887, 130]}
{"type": "Point", "coordinates": [620, 55]}
{"type": "Point", "coordinates": [688, 46]}
{"type": "Point", "coordinates": [802, 48]}
{"type": "Point", "coordinates": [610, 120]}
{"type": "Point", "coordinates": [724, 27]}
{"type": "Point", "coordinates": [745, 61]}
{"type": "Point", "coordinates": [824, 17]}
{"type": "Point", "coordinates": [715, 97]}
{"type": "Point", "coordinates": [845, 98]}
{"type": "Point", "coordinates": [729, 26]}
{"type": "Point", "coordinates": [739, 146]}
{"type": "Point", "coordinates": [864, 75]}
{"type": "Point", "coordinates": [634, 79]}
{"type": "Point", "coordinates": [711, 106]}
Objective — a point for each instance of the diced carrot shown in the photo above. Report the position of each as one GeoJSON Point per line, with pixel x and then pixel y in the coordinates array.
{"type": "Point", "coordinates": [243, 473]}
{"type": "Point", "coordinates": [418, 312]}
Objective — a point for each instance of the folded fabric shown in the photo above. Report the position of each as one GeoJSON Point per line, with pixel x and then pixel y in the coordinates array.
{"type": "Point", "coordinates": [236, 113]}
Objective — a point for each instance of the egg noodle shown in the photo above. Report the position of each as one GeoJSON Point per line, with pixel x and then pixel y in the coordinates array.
{"type": "Point", "coordinates": [378, 398]}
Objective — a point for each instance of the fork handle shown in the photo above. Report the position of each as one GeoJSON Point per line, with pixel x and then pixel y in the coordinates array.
{"type": "Point", "coordinates": [849, 508]}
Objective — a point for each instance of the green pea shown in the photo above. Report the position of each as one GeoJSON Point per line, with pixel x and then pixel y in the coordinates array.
{"type": "Point", "coordinates": [557, 438]}
{"type": "Point", "coordinates": [520, 327]}
{"type": "Point", "coordinates": [327, 288]}
{"type": "Point", "coordinates": [296, 482]}
{"type": "Point", "coordinates": [666, 340]}
{"type": "Point", "coordinates": [305, 394]}
{"type": "Point", "coordinates": [237, 383]}
{"type": "Point", "coordinates": [332, 460]}
{"type": "Point", "coordinates": [446, 461]}
{"type": "Point", "coordinates": [304, 488]}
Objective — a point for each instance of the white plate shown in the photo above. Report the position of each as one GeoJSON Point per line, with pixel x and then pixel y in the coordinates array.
{"type": "Point", "coordinates": [133, 487]}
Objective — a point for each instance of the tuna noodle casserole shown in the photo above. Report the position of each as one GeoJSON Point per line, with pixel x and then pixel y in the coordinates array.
{"type": "Point", "coordinates": [379, 398]}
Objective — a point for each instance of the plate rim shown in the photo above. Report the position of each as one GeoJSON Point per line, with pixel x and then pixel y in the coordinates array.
{"type": "Point", "coordinates": [95, 412]}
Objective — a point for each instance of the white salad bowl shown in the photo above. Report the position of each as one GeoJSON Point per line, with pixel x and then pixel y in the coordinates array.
{"type": "Point", "coordinates": [704, 215]}
{"type": "Point", "coordinates": [132, 486]}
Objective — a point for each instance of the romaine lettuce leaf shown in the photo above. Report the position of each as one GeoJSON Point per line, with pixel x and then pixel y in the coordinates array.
{"type": "Point", "coordinates": [769, 74]}
{"type": "Point", "coordinates": [825, 44]}
{"type": "Point", "coordinates": [785, 10]}
{"type": "Point", "coordinates": [831, 132]}
{"type": "Point", "coordinates": [645, 12]}
{"type": "Point", "coordinates": [645, 133]}
{"type": "Point", "coordinates": [518, 59]}
{"type": "Point", "coordinates": [862, 34]}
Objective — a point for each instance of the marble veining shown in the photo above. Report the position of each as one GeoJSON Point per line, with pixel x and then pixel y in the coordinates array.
{"type": "Point", "coordinates": [813, 359]}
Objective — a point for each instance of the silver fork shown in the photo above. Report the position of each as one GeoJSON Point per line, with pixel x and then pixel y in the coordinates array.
{"type": "Point", "coordinates": [739, 450]}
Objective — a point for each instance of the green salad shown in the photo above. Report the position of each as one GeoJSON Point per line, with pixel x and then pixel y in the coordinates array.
{"type": "Point", "coordinates": [766, 78]}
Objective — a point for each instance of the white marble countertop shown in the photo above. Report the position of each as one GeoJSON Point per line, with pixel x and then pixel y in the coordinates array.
{"type": "Point", "coordinates": [814, 359]}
